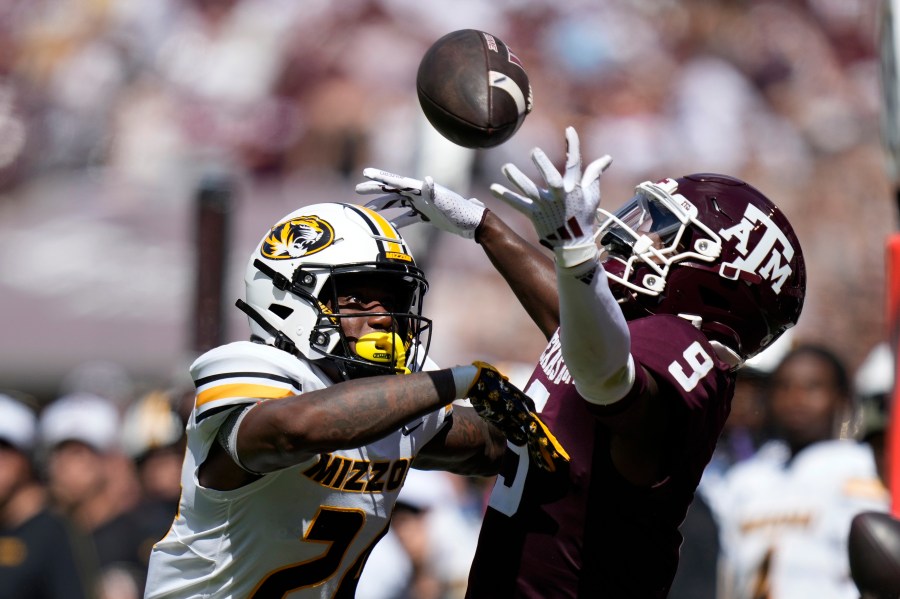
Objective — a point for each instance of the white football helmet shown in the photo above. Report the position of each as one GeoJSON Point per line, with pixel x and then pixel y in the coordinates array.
{"type": "Point", "coordinates": [291, 277]}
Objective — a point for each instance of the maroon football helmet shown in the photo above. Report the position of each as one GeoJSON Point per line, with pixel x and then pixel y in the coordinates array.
{"type": "Point", "coordinates": [712, 249]}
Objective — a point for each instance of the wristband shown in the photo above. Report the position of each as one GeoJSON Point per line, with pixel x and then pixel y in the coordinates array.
{"type": "Point", "coordinates": [463, 378]}
{"type": "Point", "coordinates": [575, 255]}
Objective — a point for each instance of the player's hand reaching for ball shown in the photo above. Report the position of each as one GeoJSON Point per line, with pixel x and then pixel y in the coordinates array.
{"type": "Point", "coordinates": [502, 404]}
{"type": "Point", "coordinates": [427, 201]}
{"type": "Point", "coordinates": [565, 213]}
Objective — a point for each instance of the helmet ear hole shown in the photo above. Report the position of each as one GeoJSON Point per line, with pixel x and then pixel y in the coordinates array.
{"type": "Point", "coordinates": [280, 310]}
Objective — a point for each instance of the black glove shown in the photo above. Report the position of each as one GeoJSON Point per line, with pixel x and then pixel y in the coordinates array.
{"type": "Point", "coordinates": [499, 402]}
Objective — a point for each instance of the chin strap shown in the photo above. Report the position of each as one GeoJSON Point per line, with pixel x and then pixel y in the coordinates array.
{"type": "Point", "coordinates": [282, 341]}
{"type": "Point", "coordinates": [723, 352]}
{"type": "Point", "coordinates": [727, 355]}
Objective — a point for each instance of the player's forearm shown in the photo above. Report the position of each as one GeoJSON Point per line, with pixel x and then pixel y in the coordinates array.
{"type": "Point", "coordinates": [471, 446]}
{"type": "Point", "coordinates": [527, 270]}
{"type": "Point", "coordinates": [596, 342]}
{"type": "Point", "coordinates": [276, 434]}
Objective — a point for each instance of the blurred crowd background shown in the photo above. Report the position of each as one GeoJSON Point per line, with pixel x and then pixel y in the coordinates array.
{"type": "Point", "coordinates": [117, 116]}
{"type": "Point", "coordinates": [114, 113]}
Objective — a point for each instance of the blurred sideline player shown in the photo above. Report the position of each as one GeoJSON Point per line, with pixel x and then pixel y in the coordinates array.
{"type": "Point", "coordinates": [92, 482]}
{"type": "Point", "coordinates": [41, 552]}
{"type": "Point", "coordinates": [785, 513]}
{"type": "Point", "coordinates": [153, 437]}
{"type": "Point", "coordinates": [874, 542]}
{"type": "Point", "coordinates": [697, 274]}
{"type": "Point", "coordinates": [873, 384]}
{"type": "Point", "coordinates": [300, 439]}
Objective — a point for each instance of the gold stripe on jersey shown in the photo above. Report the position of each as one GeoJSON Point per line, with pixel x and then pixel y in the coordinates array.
{"type": "Point", "coordinates": [233, 390]}
{"type": "Point", "coordinates": [867, 488]}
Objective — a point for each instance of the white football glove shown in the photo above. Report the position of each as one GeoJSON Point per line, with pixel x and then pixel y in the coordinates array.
{"type": "Point", "coordinates": [427, 201]}
{"type": "Point", "coordinates": [565, 213]}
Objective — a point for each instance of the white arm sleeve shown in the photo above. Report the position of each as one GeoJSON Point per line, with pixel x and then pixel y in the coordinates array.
{"type": "Point", "coordinates": [596, 343]}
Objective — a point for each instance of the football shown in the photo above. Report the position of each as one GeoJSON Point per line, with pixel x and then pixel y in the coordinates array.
{"type": "Point", "coordinates": [473, 89]}
{"type": "Point", "coordinates": [874, 549]}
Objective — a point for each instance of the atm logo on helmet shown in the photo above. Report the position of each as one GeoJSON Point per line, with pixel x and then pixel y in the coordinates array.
{"type": "Point", "coordinates": [770, 257]}
{"type": "Point", "coordinates": [297, 238]}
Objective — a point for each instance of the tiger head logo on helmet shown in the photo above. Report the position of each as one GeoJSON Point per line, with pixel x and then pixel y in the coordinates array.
{"type": "Point", "coordinates": [297, 238]}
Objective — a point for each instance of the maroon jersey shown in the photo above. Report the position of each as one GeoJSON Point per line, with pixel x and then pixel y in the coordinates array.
{"type": "Point", "coordinates": [585, 531]}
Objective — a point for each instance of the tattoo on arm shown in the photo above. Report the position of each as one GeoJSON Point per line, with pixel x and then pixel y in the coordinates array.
{"type": "Point", "coordinates": [466, 445]}
{"type": "Point", "coordinates": [350, 414]}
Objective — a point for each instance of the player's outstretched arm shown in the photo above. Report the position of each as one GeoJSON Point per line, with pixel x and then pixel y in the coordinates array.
{"type": "Point", "coordinates": [453, 449]}
{"type": "Point", "coordinates": [528, 271]}
{"type": "Point", "coordinates": [594, 334]}
{"type": "Point", "coordinates": [426, 200]}
{"type": "Point", "coordinates": [275, 434]}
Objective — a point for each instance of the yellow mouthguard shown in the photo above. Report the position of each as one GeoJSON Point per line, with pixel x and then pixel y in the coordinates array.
{"type": "Point", "coordinates": [382, 347]}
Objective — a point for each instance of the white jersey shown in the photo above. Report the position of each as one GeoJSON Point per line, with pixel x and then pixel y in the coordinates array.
{"type": "Point", "coordinates": [784, 524]}
{"type": "Point", "coordinates": [304, 531]}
